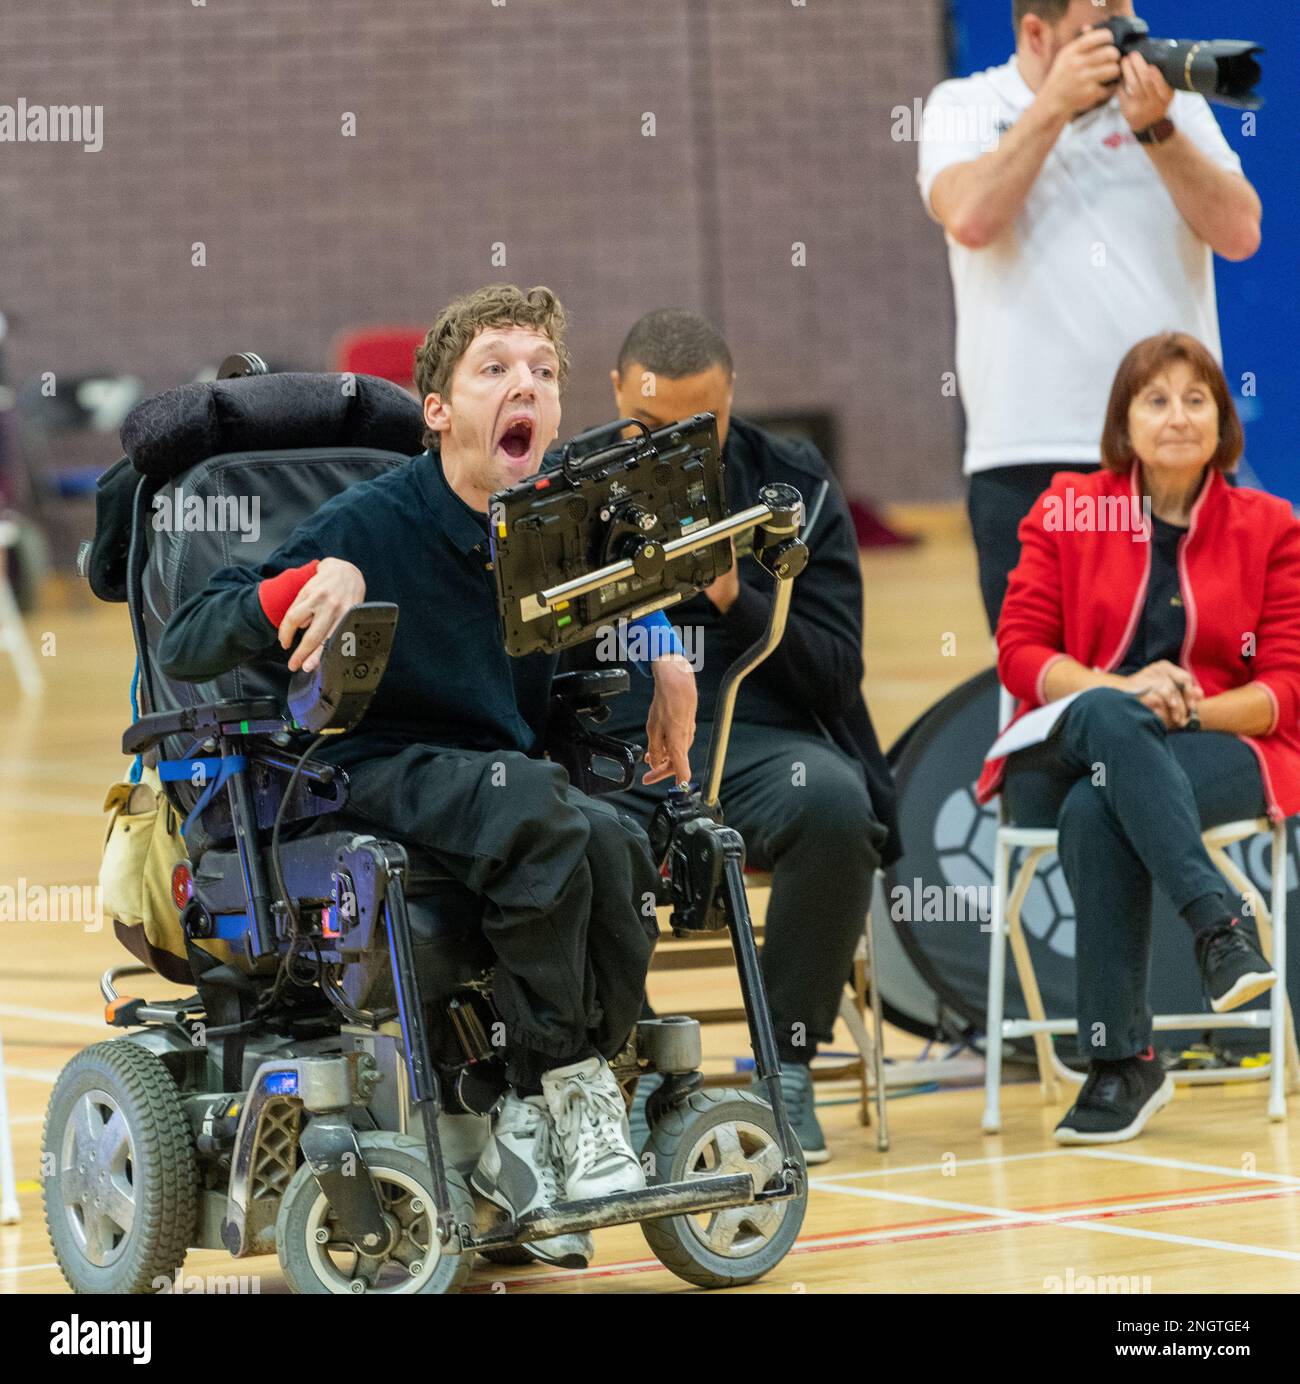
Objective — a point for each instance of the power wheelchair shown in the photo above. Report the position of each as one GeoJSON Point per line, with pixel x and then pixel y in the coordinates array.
{"type": "Point", "coordinates": [324, 1094]}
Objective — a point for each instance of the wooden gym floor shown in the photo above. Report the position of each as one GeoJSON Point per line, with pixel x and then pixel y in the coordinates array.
{"type": "Point", "coordinates": [1207, 1199]}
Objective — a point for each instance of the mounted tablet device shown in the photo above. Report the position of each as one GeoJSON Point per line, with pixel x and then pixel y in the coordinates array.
{"type": "Point", "coordinates": [629, 528]}
{"type": "Point", "coordinates": [609, 534]}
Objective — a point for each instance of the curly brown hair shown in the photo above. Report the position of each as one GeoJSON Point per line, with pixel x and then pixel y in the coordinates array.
{"type": "Point", "coordinates": [496, 305]}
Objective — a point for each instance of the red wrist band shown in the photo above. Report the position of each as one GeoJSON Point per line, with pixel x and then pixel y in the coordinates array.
{"type": "Point", "coordinates": [278, 593]}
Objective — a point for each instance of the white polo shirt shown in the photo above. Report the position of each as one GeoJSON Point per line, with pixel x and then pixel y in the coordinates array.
{"type": "Point", "coordinates": [1098, 259]}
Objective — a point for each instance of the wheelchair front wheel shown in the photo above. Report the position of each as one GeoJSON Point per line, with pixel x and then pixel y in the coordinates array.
{"type": "Point", "coordinates": [717, 1131]}
{"type": "Point", "coordinates": [315, 1256]}
{"type": "Point", "coordinates": [120, 1177]}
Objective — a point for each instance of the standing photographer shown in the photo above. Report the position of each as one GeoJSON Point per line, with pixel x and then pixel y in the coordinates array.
{"type": "Point", "coordinates": [1084, 200]}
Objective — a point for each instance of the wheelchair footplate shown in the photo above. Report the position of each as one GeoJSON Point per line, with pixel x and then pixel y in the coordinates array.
{"type": "Point", "coordinates": [713, 1192]}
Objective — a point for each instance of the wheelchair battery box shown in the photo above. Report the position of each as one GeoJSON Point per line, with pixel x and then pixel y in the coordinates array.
{"type": "Point", "coordinates": [620, 502]}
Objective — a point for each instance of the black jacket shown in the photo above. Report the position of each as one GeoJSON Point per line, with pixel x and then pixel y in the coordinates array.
{"type": "Point", "coordinates": [449, 681]}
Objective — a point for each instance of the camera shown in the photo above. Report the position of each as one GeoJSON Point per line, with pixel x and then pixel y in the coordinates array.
{"type": "Point", "coordinates": [1223, 69]}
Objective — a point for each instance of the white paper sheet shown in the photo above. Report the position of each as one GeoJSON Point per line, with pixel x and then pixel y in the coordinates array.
{"type": "Point", "coordinates": [1034, 728]}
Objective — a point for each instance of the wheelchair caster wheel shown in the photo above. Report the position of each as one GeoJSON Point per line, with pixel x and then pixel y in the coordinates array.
{"type": "Point", "coordinates": [710, 1132]}
{"type": "Point", "coordinates": [317, 1259]}
{"type": "Point", "coordinates": [120, 1191]}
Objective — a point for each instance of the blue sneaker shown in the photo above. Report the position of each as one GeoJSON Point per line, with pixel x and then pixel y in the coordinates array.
{"type": "Point", "coordinates": [801, 1107]}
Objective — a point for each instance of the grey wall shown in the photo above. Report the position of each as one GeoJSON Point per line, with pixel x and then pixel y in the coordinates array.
{"type": "Point", "coordinates": [477, 123]}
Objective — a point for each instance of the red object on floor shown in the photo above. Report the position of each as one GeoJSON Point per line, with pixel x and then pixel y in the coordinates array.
{"type": "Point", "coordinates": [388, 352]}
{"type": "Point", "coordinates": [872, 530]}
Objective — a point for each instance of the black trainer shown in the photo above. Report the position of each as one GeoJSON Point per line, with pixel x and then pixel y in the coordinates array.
{"type": "Point", "coordinates": [1232, 966]}
{"type": "Point", "coordinates": [1117, 1100]}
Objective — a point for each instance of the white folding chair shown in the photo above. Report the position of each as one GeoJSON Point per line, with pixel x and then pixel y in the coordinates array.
{"type": "Point", "coordinates": [1283, 1070]}
{"type": "Point", "coordinates": [864, 990]}
{"type": "Point", "coordinates": [13, 634]}
{"type": "Point", "coordinates": [8, 1186]}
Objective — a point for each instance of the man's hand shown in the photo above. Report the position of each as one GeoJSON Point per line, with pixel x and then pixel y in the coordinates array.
{"type": "Point", "coordinates": [318, 608]}
{"type": "Point", "coordinates": [1144, 96]}
{"type": "Point", "coordinates": [670, 729]}
{"type": "Point", "coordinates": [1170, 691]}
{"type": "Point", "coordinates": [1083, 75]}
{"type": "Point", "coordinates": [726, 589]}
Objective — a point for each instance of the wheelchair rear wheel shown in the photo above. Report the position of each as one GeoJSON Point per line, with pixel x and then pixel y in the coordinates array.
{"type": "Point", "coordinates": [121, 1177]}
{"type": "Point", "coordinates": [316, 1259]}
{"type": "Point", "coordinates": [716, 1131]}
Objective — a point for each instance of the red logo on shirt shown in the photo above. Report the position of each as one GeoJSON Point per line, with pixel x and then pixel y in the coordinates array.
{"type": "Point", "coordinates": [1119, 139]}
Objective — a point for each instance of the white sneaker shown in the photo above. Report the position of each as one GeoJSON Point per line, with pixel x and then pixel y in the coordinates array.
{"type": "Point", "coordinates": [591, 1127]}
{"type": "Point", "coordinates": [519, 1171]}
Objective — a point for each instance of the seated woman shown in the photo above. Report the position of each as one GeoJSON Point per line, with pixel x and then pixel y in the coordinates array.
{"type": "Point", "coordinates": [1173, 599]}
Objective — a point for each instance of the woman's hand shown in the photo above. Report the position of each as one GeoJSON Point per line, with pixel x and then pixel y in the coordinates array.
{"type": "Point", "coordinates": [318, 608]}
{"type": "Point", "coordinates": [1170, 691]}
{"type": "Point", "coordinates": [670, 728]}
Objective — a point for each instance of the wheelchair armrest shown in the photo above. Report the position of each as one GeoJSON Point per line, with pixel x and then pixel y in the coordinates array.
{"type": "Point", "coordinates": [247, 717]}
{"type": "Point", "coordinates": [584, 692]}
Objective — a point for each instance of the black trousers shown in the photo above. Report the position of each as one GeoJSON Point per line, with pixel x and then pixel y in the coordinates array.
{"type": "Point", "coordinates": [997, 501]}
{"type": "Point", "coordinates": [568, 885]}
{"type": "Point", "coordinates": [802, 806]}
{"type": "Point", "coordinates": [1130, 801]}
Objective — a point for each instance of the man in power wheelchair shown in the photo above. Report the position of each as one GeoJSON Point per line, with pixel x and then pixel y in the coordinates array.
{"type": "Point", "coordinates": [426, 922]}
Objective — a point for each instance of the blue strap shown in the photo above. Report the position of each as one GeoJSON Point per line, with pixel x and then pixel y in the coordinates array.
{"type": "Point", "coordinates": [137, 767]}
{"type": "Point", "coordinates": [660, 636]}
{"type": "Point", "coordinates": [174, 770]}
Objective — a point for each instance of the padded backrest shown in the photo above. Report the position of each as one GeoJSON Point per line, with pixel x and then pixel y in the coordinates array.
{"type": "Point", "coordinates": [287, 442]}
{"type": "Point", "coordinates": [288, 487]}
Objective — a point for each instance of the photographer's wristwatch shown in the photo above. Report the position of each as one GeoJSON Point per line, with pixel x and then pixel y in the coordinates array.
{"type": "Point", "coordinates": [1157, 133]}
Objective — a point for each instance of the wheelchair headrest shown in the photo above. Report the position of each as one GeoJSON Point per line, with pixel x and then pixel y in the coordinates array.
{"type": "Point", "coordinates": [167, 435]}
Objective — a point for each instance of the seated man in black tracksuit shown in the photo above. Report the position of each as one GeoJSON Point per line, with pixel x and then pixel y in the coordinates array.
{"type": "Point", "coordinates": [805, 783]}
{"type": "Point", "coordinates": [443, 756]}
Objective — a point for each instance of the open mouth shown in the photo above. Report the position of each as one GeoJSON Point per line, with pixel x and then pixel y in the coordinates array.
{"type": "Point", "coordinates": [517, 440]}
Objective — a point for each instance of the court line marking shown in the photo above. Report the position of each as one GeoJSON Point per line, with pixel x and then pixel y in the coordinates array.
{"type": "Point", "coordinates": [1003, 1220]}
{"type": "Point", "coordinates": [15, 977]}
{"type": "Point", "coordinates": [1183, 1165]}
{"type": "Point", "coordinates": [1007, 1218]}
{"type": "Point", "coordinates": [29, 1268]}
{"type": "Point", "coordinates": [914, 1231]}
{"type": "Point", "coordinates": [50, 802]}
{"type": "Point", "coordinates": [40, 1074]}
{"type": "Point", "coordinates": [1132, 1198]}
{"type": "Point", "coordinates": [938, 1167]}
{"type": "Point", "coordinates": [52, 1016]}
{"type": "Point", "coordinates": [1180, 1164]}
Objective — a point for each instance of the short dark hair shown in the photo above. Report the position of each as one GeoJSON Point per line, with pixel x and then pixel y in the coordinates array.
{"type": "Point", "coordinates": [1142, 364]}
{"type": "Point", "coordinates": [673, 342]}
{"type": "Point", "coordinates": [1050, 10]}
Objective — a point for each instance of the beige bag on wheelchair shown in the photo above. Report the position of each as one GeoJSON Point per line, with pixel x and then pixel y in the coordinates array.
{"type": "Point", "coordinates": [141, 848]}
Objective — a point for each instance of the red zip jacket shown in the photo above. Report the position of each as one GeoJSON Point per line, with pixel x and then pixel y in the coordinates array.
{"type": "Point", "coordinates": [1079, 593]}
